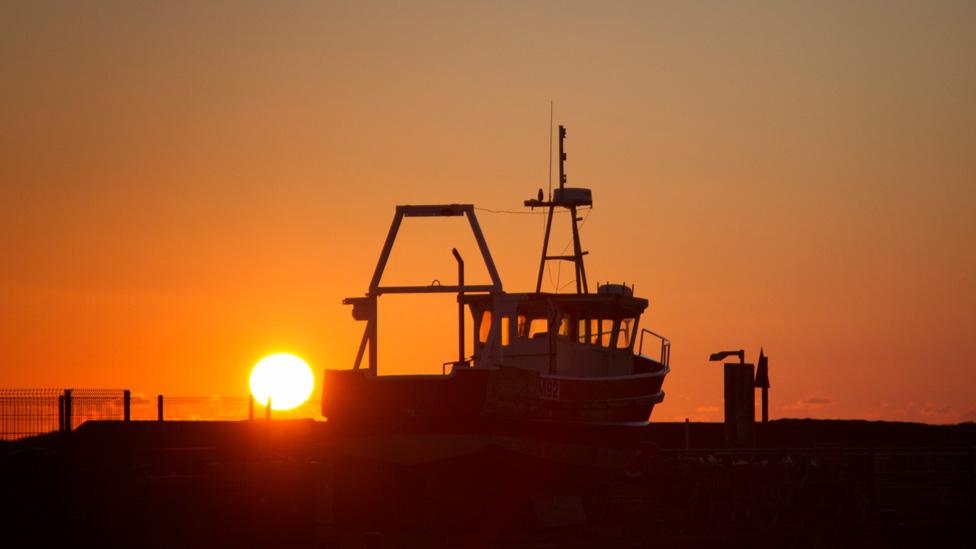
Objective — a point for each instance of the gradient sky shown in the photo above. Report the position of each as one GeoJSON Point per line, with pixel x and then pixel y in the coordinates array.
{"type": "Point", "coordinates": [187, 188]}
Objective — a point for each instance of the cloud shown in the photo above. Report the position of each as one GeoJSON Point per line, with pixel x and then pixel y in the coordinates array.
{"type": "Point", "coordinates": [933, 409]}
{"type": "Point", "coordinates": [811, 403]}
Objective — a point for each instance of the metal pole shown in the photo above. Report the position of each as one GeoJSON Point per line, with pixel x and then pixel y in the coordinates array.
{"type": "Point", "coordinates": [373, 343]}
{"type": "Point", "coordinates": [460, 263]}
{"type": "Point", "coordinates": [67, 410]}
{"type": "Point", "coordinates": [61, 413]}
{"type": "Point", "coordinates": [385, 254]}
{"type": "Point", "coordinates": [126, 405]}
{"type": "Point", "coordinates": [687, 434]}
{"type": "Point", "coordinates": [765, 404]}
{"type": "Point", "coordinates": [159, 407]}
{"type": "Point", "coordinates": [362, 349]}
{"type": "Point", "coordinates": [479, 237]}
{"type": "Point", "coordinates": [581, 287]}
{"type": "Point", "coordinates": [250, 408]}
{"type": "Point", "coordinates": [545, 249]}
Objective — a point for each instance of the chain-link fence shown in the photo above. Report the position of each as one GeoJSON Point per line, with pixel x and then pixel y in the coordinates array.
{"type": "Point", "coordinates": [214, 408]}
{"type": "Point", "coordinates": [31, 412]}
{"type": "Point", "coordinates": [81, 405]}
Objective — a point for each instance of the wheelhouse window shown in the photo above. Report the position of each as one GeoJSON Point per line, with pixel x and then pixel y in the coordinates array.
{"type": "Point", "coordinates": [484, 326]}
{"type": "Point", "coordinates": [606, 332]}
{"type": "Point", "coordinates": [506, 327]}
{"type": "Point", "coordinates": [594, 331]}
{"type": "Point", "coordinates": [538, 327]}
{"type": "Point", "coordinates": [532, 327]}
{"type": "Point", "coordinates": [564, 326]}
{"type": "Point", "coordinates": [601, 331]}
{"type": "Point", "coordinates": [590, 331]}
{"type": "Point", "coordinates": [625, 332]}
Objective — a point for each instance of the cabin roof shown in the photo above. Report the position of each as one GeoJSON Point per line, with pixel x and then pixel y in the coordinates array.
{"type": "Point", "coordinates": [600, 305]}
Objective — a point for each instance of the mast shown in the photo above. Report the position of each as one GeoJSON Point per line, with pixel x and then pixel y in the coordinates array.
{"type": "Point", "coordinates": [570, 198]}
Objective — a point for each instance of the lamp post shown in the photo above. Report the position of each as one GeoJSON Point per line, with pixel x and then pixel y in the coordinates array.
{"type": "Point", "coordinates": [740, 404]}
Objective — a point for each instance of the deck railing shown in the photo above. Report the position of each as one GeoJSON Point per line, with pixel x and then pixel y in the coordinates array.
{"type": "Point", "coordinates": [665, 351]}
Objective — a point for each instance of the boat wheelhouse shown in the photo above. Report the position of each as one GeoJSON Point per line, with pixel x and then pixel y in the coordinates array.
{"type": "Point", "coordinates": [576, 357]}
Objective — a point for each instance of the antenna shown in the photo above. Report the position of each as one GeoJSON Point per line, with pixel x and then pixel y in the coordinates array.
{"type": "Point", "coordinates": [550, 150]}
{"type": "Point", "coordinates": [562, 157]}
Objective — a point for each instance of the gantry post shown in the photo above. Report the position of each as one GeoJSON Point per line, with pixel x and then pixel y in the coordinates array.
{"type": "Point", "coordinates": [545, 249]}
{"type": "Point", "coordinates": [365, 308]}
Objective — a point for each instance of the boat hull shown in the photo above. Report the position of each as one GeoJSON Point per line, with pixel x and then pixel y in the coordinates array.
{"type": "Point", "coordinates": [502, 391]}
{"type": "Point", "coordinates": [618, 399]}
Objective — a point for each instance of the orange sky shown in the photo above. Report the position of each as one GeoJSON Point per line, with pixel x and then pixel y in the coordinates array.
{"type": "Point", "coordinates": [185, 189]}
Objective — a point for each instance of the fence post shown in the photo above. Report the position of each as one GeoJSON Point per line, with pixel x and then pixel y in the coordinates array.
{"type": "Point", "coordinates": [159, 407]}
{"type": "Point", "coordinates": [61, 413]}
{"type": "Point", "coordinates": [972, 472]}
{"type": "Point", "coordinates": [126, 405]}
{"type": "Point", "coordinates": [67, 410]}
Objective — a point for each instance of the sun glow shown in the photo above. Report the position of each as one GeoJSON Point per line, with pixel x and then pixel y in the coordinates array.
{"type": "Point", "coordinates": [285, 378]}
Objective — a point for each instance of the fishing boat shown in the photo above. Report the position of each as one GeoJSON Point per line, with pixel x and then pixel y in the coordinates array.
{"type": "Point", "coordinates": [580, 357]}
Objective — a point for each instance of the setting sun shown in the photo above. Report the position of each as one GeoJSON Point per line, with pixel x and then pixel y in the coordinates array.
{"type": "Point", "coordinates": [285, 378]}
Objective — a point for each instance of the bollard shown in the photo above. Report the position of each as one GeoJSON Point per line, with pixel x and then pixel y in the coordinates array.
{"type": "Point", "coordinates": [126, 405]}
{"type": "Point", "coordinates": [159, 407]}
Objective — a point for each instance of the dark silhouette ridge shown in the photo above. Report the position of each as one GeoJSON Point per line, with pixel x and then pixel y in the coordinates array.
{"type": "Point", "coordinates": [307, 483]}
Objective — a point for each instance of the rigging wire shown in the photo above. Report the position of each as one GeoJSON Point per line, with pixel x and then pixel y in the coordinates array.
{"type": "Point", "coordinates": [514, 212]}
{"type": "Point", "coordinates": [508, 211]}
{"type": "Point", "coordinates": [559, 268]}
{"type": "Point", "coordinates": [566, 284]}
